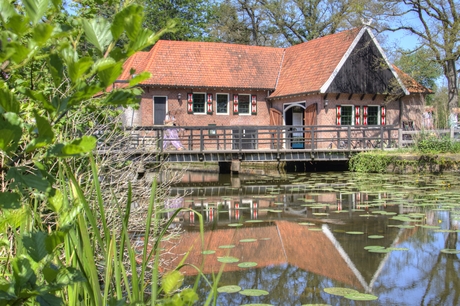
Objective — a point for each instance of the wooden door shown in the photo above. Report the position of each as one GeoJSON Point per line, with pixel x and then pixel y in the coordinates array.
{"type": "Point", "coordinates": [276, 119]}
{"type": "Point", "coordinates": [309, 119]}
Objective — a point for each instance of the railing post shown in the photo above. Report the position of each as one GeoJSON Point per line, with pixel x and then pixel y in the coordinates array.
{"type": "Point", "coordinates": [312, 128]}
{"type": "Point", "coordinates": [381, 137]}
{"type": "Point", "coordinates": [201, 140]}
{"type": "Point", "coordinates": [400, 138]}
{"type": "Point", "coordinates": [349, 138]}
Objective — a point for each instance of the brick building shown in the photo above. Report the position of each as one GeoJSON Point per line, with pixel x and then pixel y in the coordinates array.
{"type": "Point", "coordinates": [340, 79]}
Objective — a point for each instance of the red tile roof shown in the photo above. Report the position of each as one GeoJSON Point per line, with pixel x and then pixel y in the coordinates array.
{"type": "Point", "coordinates": [307, 66]}
{"type": "Point", "coordinates": [299, 69]}
{"type": "Point", "coordinates": [282, 242]}
{"type": "Point", "coordinates": [412, 85]}
{"type": "Point", "coordinates": [204, 64]}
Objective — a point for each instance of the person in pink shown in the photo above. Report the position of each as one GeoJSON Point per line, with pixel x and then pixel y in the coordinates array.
{"type": "Point", "coordinates": [171, 134]}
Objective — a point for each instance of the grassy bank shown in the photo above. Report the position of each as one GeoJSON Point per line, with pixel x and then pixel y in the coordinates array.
{"type": "Point", "coordinates": [429, 154]}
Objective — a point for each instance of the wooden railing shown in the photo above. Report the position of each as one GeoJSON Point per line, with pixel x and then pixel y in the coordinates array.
{"type": "Point", "coordinates": [276, 138]}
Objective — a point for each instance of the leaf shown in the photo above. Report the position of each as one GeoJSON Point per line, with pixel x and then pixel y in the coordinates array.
{"type": "Point", "coordinates": [78, 146]}
{"type": "Point", "coordinates": [56, 67]}
{"type": "Point", "coordinates": [29, 180]}
{"type": "Point", "coordinates": [125, 97]}
{"type": "Point", "coordinates": [56, 201]}
{"type": "Point", "coordinates": [8, 101]}
{"type": "Point", "coordinates": [35, 9]}
{"type": "Point", "coordinates": [6, 290]}
{"type": "Point", "coordinates": [10, 200]}
{"type": "Point", "coordinates": [68, 276]}
{"type": "Point", "coordinates": [229, 289]}
{"type": "Point", "coordinates": [84, 93]}
{"type": "Point", "coordinates": [48, 299]}
{"type": "Point", "coordinates": [22, 271]}
{"type": "Point", "coordinates": [35, 246]}
{"type": "Point", "coordinates": [139, 78]}
{"type": "Point", "coordinates": [53, 240]}
{"type": "Point", "coordinates": [6, 10]}
{"type": "Point", "coordinates": [44, 127]}
{"type": "Point", "coordinates": [129, 19]}
{"type": "Point", "coordinates": [18, 24]}
{"type": "Point", "coordinates": [98, 33]}
{"type": "Point", "coordinates": [172, 281]}
{"type": "Point", "coordinates": [78, 68]}
{"type": "Point", "coordinates": [253, 292]}
{"type": "Point", "coordinates": [110, 74]}
{"type": "Point", "coordinates": [41, 33]}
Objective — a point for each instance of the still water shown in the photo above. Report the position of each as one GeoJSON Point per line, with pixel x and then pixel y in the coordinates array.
{"type": "Point", "coordinates": [393, 238]}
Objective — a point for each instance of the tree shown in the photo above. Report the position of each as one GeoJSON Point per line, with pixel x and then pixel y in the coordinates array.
{"type": "Point", "coordinates": [192, 18]}
{"type": "Point", "coordinates": [421, 67]}
{"type": "Point", "coordinates": [226, 27]}
{"type": "Point", "coordinates": [289, 22]}
{"type": "Point", "coordinates": [436, 24]}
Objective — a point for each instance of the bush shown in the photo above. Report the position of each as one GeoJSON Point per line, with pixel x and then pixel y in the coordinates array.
{"type": "Point", "coordinates": [431, 143]}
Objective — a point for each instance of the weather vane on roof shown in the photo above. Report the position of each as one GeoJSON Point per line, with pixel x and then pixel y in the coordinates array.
{"type": "Point", "coordinates": [366, 23]}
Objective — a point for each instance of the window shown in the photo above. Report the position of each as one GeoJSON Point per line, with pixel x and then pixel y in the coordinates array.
{"type": "Point", "coordinates": [199, 103]}
{"type": "Point", "coordinates": [345, 115]}
{"type": "Point", "coordinates": [244, 104]}
{"type": "Point", "coordinates": [373, 115]}
{"type": "Point", "coordinates": [222, 104]}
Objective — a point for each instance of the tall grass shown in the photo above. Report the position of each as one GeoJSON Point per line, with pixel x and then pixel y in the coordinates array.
{"type": "Point", "coordinates": [82, 259]}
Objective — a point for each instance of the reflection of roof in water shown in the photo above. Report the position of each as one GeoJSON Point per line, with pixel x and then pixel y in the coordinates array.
{"type": "Point", "coordinates": [276, 244]}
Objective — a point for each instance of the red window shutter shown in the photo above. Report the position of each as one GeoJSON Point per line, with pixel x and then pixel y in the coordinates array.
{"type": "Point", "coordinates": [357, 115]}
{"type": "Point", "coordinates": [253, 105]}
{"type": "Point", "coordinates": [364, 115]}
{"type": "Point", "coordinates": [339, 114]}
{"type": "Point", "coordinates": [235, 104]}
{"type": "Point", "coordinates": [209, 104]}
{"type": "Point", "coordinates": [190, 103]}
{"type": "Point", "coordinates": [383, 114]}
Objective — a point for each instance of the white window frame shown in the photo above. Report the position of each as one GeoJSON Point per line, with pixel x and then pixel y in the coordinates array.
{"type": "Point", "coordinates": [379, 115]}
{"type": "Point", "coordinates": [352, 114]}
{"type": "Point", "coordinates": [249, 105]}
{"type": "Point", "coordinates": [193, 102]}
{"type": "Point", "coordinates": [228, 105]}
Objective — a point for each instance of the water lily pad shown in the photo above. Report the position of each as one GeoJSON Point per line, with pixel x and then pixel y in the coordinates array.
{"type": "Point", "coordinates": [253, 292]}
{"type": "Point", "coordinates": [227, 259]}
{"type": "Point", "coordinates": [227, 246]}
{"type": "Point", "coordinates": [229, 289]}
{"type": "Point", "coordinates": [398, 249]}
{"type": "Point", "coordinates": [235, 224]}
{"type": "Point", "coordinates": [306, 223]}
{"type": "Point", "coordinates": [372, 247]}
{"type": "Point", "coordinates": [315, 229]}
{"type": "Point", "coordinates": [247, 264]}
{"type": "Point", "coordinates": [355, 233]}
{"type": "Point", "coordinates": [207, 252]}
{"type": "Point", "coordinates": [379, 250]}
{"type": "Point", "coordinates": [248, 240]}
{"type": "Point", "coordinates": [361, 297]}
{"type": "Point", "coordinates": [450, 251]}
{"type": "Point", "coordinates": [340, 291]}
{"type": "Point", "coordinates": [254, 221]}
{"type": "Point", "coordinates": [375, 237]}
{"type": "Point", "coordinates": [275, 210]}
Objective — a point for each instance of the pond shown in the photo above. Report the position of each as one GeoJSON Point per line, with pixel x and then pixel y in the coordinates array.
{"type": "Point", "coordinates": [334, 238]}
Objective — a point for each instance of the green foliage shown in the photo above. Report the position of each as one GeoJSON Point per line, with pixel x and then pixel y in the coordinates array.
{"type": "Point", "coordinates": [433, 144]}
{"type": "Point", "coordinates": [368, 162]}
{"type": "Point", "coordinates": [421, 66]}
{"type": "Point", "coordinates": [56, 245]}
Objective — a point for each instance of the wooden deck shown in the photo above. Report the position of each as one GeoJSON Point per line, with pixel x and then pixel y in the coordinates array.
{"type": "Point", "coordinates": [266, 143]}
